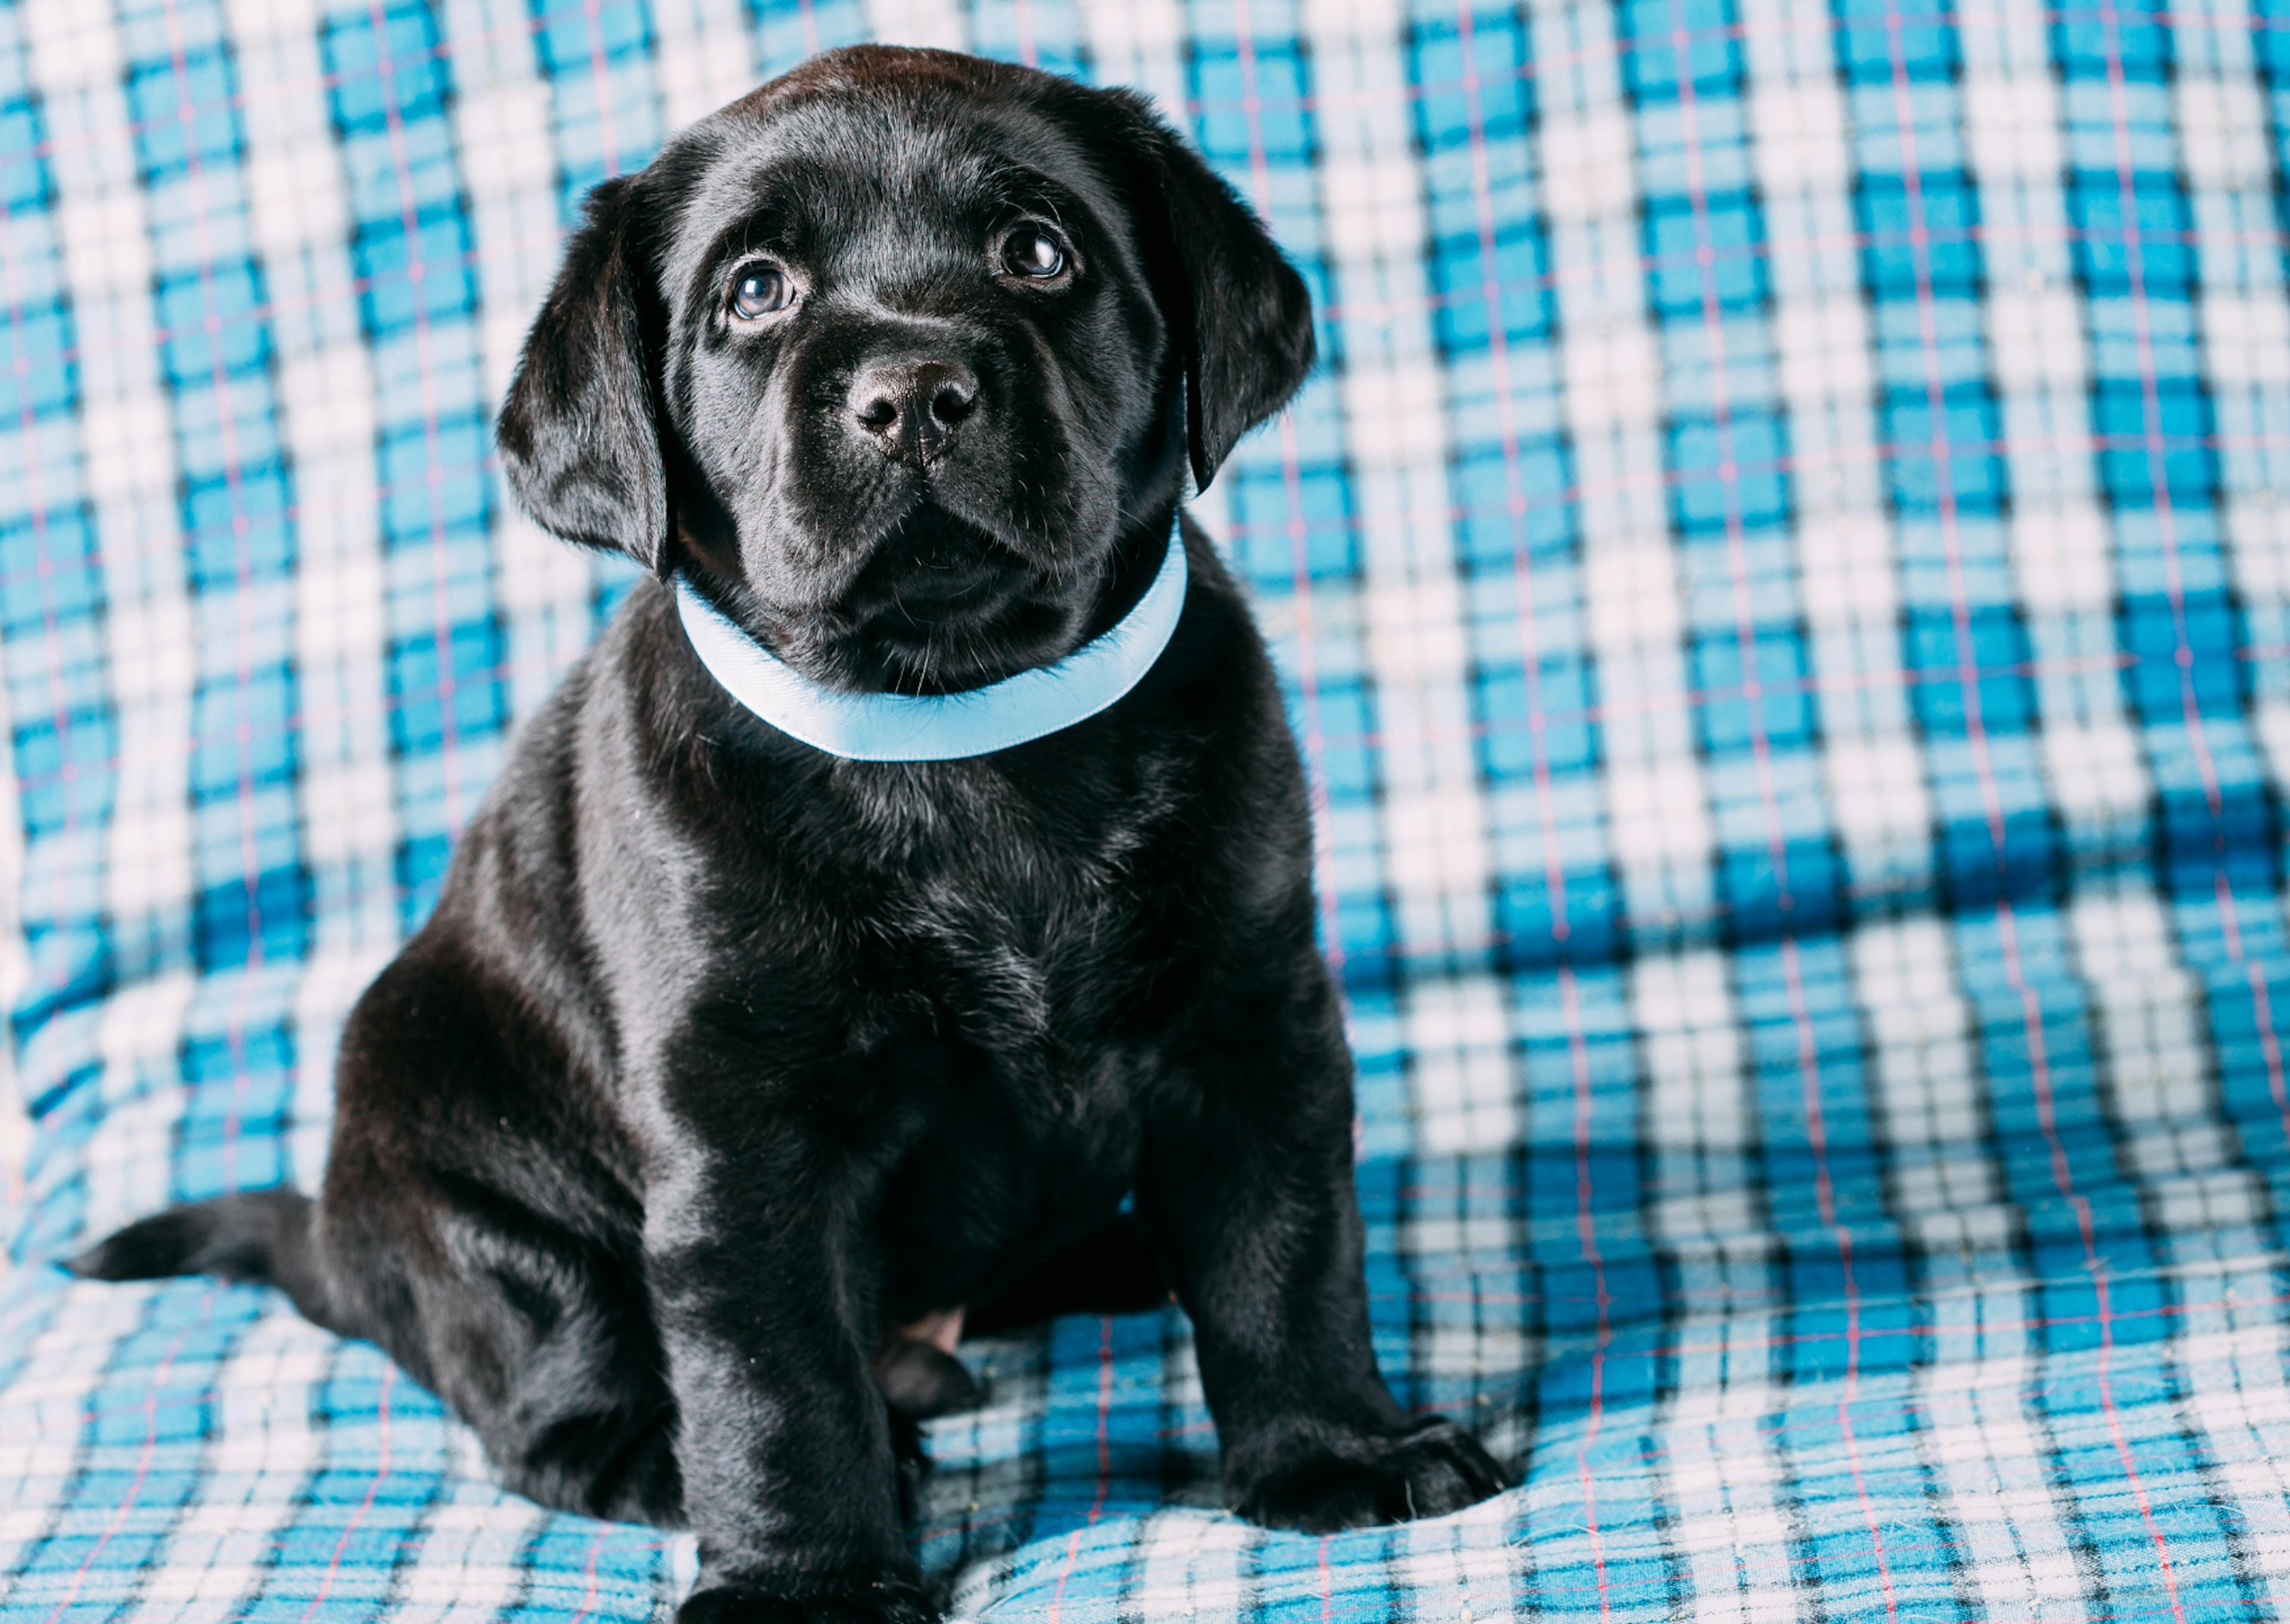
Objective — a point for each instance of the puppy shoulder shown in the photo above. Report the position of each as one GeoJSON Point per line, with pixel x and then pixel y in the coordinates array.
{"type": "Point", "coordinates": [1250, 797]}
{"type": "Point", "coordinates": [1230, 687]}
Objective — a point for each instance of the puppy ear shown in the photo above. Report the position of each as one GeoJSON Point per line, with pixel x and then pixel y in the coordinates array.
{"type": "Point", "coordinates": [1238, 311]}
{"type": "Point", "coordinates": [580, 434]}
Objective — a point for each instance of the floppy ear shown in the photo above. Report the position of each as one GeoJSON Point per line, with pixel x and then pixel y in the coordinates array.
{"type": "Point", "coordinates": [579, 433]}
{"type": "Point", "coordinates": [1239, 313]}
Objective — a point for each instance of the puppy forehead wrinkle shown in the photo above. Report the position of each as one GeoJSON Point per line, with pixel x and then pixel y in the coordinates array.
{"type": "Point", "coordinates": [840, 162]}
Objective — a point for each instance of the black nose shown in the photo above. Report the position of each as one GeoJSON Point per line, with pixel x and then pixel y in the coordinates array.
{"type": "Point", "coordinates": [913, 406]}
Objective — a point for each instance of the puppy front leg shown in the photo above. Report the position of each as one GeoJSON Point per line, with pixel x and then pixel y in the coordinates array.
{"type": "Point", "coordinates": [1246, 1188]}
{"type": "Point", "coordinates": [783, 1439]}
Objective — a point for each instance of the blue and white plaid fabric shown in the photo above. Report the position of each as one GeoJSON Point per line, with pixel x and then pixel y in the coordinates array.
{"type": "Point", "coordinates": [1784, 583]}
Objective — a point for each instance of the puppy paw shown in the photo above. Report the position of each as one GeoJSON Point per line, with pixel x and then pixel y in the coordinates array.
{"type": "Point", "coordinates": [889, 1601]}
{"type": "Point", "coordinates": [921, 1380]}
{"type": "Point", "coordinates": [1429, 1469]}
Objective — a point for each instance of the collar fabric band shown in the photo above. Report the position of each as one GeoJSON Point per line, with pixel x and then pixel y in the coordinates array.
{"type": "Point", "coordinates": [945, 726]}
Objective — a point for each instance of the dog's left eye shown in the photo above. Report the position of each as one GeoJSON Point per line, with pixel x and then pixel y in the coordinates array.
{"type": "Point", "coordinates": [762, 290]}
{"type": "Point", "coordinates": [1033, 253]}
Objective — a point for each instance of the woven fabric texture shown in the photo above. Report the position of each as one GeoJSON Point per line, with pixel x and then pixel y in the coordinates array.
{"type": "Point", "coordinates": [1783, 594]}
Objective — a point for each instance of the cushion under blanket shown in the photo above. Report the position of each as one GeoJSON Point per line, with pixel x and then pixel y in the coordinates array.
{"type": "Point", "coordinates": [1783, 585]}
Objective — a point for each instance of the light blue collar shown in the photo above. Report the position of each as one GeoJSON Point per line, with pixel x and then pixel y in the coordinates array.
{"type": "Point", "coordinates": [947, 726]}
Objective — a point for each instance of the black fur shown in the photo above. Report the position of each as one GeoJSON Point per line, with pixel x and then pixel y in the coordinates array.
{"type": "Point", "coordinates": [721, 1058]}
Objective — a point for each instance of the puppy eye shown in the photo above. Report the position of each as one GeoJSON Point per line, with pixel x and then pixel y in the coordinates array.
{"type": "Point", "coordinates": [1032, 252]}
{"type": "Point", "coordinates": [762, 289]}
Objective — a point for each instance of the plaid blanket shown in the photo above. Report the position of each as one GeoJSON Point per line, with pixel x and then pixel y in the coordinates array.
{"type": "Point", "coordinates": [1784, 588]}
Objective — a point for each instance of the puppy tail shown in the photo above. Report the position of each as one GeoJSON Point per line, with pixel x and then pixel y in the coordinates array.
{"type": "Point", "coordinates": [261, 1236]}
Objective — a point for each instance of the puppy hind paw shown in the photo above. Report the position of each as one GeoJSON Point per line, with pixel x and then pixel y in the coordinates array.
{"type": "Point", "coordinates": [921, 1380]}
{"type": "Point", "coordinates": [1430, 1470]}
{"type": "Point", "coordinates": [889, 1601]}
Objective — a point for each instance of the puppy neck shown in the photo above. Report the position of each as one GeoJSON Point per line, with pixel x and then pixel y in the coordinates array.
{"type": "Point", "coordinates": [1031, 705]}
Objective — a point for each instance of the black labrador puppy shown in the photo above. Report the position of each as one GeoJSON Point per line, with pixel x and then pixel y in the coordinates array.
{"type": "Point", "coordinates": [723, 1057]}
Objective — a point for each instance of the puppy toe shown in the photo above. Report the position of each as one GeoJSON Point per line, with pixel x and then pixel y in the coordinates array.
{"type": "Point", "coordinates": [1432, 1468]}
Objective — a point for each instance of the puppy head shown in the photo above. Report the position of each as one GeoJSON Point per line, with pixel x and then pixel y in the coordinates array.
{"type": "Point", "coordinates": [903, 358]}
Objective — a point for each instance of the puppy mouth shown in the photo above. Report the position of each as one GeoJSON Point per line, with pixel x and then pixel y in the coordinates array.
{"type": "Point", "coordinates": [941, 605]}
{"type": "Point", "coordinates": [935, 565]}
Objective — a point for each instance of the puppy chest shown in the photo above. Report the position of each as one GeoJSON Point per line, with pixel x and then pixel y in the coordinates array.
{"type": "Point", "coordinates": [1022, 966]}
{"type": "Point", "coordinates": [1003, 1128]}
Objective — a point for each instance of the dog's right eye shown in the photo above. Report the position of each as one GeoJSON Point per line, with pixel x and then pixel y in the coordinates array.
{"type": "Point", "coordinates": [762, 289]}
{"type": "Point", "coordinates": [1033, 253]}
